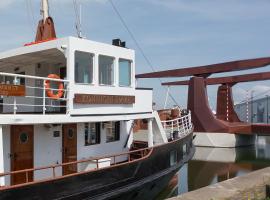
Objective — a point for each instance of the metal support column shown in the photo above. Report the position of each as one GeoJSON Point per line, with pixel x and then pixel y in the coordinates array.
{"type": "Point", "coordinates": [150, 133]}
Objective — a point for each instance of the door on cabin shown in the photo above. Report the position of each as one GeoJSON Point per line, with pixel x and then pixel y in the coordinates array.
{"type": "Point", "coordinates": [22, 153]}
{"type": "Point", "coordinates": [69, 148]}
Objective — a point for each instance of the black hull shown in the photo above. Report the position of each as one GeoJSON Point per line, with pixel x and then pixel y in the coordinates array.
{"type": "Point", "coordinates": [141, 179]}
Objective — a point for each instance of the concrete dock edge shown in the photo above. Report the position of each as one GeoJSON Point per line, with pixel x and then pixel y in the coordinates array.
{"type": "Point", "coordinates": [249, 186]}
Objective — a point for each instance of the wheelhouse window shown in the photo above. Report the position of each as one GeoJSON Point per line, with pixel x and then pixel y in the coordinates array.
{"type": "Point", "coordinates": [106, 70]}
{"type": "Point", "coordinates": [124, 72]}
{"type": "Point", "coordinates": [92, 133]}
{"type": "Point", "coordinates": [84, 67]}
{"type": "Point", "coordinates": [112, 131]}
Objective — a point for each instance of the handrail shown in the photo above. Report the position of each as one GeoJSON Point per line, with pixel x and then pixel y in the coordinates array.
{"type": "Point", "coordinates": [143, 152]}
{"type": "Point", "coordinates": [180, 126]}
{"type": "Point", "coordinates": [32, 77]}
{"type": "Point", "coordinates": [40, 100]}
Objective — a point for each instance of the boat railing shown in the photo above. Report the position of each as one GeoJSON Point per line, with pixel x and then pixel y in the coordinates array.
{"type": "Point", "coordinates": [24, 94]}
{"type": "Point", "coordinates": [178, 127]}
{"type": "Point", "coordinates": [115, 160]}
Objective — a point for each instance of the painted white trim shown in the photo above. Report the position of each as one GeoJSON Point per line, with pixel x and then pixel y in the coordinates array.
{"type": "Point", "coordinates": [150, 133]}
{"type": "Point", "coordinates": [62, 119]}
{"type": "Point", "coordinates": [160, 127]}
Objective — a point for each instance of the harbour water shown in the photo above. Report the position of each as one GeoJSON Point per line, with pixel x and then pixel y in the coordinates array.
{"type": "Point", "coordinates": [212, 165]}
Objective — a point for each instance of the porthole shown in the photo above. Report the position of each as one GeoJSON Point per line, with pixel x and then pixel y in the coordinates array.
{"type": "Point", "coordinates": [70, 133]}
{"type": "Point", "coordinates": [23, 138]}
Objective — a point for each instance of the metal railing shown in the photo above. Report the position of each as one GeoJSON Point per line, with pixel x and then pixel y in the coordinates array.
{"type": "Point", "coordinates": [115, 160]}
{"type": "Point", "coordinates": [35, 99]}
{"type": "Point", "coordinates": [178, 127]}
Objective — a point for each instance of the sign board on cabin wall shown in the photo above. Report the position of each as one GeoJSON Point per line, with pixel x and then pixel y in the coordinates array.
{"type": "Point", "coordinates": [103, 99]}
{"type": "Point", "coordinates": [12, 90]}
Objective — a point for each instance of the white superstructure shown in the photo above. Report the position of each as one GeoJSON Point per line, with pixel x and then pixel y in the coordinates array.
{"type": "Point", "coordinates": [100, 101]}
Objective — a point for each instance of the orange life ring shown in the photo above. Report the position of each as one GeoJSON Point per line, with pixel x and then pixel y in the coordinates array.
{"type": "Point", "coordinates": [49, 92]}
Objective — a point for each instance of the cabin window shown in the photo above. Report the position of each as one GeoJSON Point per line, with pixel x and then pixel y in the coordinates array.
{"type": "Point", "coordinates": [124, 72]}
{"type": "Point", "coordinates": [184, 149]}
{"type": "Point", "coordinates": [106, 70]}
{"type": "Point", "coordinates": [112, 131]}
{"type": "Point", "coordinates": [84, 67]}
{"type": "Point", "coordinates": [20, 80]}
{"type": "Point", "coordinates": [173, 158]}
{"type": "Point", "coordinates": [92, 133]}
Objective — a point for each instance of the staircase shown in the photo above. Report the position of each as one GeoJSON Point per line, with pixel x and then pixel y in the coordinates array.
{"type": "Point", "coordinates": [137, 145]}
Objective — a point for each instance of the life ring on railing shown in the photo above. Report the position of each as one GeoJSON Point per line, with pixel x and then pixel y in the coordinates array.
{"type": "Point", "coordinates": [49, 92]}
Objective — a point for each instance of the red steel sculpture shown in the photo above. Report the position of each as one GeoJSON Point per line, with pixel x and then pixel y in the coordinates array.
{"type": "Point", "coordinates": [203, 118]}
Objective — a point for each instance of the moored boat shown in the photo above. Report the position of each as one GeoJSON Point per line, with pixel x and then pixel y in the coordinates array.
{"type": "Point", "coordinates": [68, 107]}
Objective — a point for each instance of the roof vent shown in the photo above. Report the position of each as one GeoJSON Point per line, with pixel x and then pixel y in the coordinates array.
{"type": "Point", "coordinates": [119, 43]}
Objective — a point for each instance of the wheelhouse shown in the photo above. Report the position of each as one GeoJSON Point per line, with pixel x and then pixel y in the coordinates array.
{"type": "Point", "coordinates": [92, 74]}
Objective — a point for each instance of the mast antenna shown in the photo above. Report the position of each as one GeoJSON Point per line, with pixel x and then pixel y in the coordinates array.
{"type": "Point", "coordinates": [78, 14]}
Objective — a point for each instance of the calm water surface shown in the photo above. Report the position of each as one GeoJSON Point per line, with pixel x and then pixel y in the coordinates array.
{"type": "Point", "coordinates": [212, 165]}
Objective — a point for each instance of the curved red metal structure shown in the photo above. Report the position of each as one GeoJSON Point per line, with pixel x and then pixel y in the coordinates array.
{"type": "Point", "coordinates": [225, 104]}
{"type": "Point", "coordinates": [202, 115]}
{"type": "Point", "coordinates": [203, 118]}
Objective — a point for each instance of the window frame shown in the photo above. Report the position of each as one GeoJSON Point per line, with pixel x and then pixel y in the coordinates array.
{"type": "Point", "coordinates": [114, 71]}
{"type": "Point", "coordinates": [173, 157]}
{"type": "Point", "coordinates": [93, 71]}
{"type": "Point", "coordinates": [117, 128]}
{"type": "Point", "coordinates": [131, 72]}
{"type": "Point", "coordinates": [98, 133]}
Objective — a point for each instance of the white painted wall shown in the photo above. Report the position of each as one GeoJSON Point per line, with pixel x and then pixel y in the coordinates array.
{"type": "Point", "coordinates": [86, 152]}
{"type": "Point", "coordinates": [143, 98]}
{"type": "Point", "coordinates": [47, 150]}
{"type": "Point", "coordinates": [143, 102]}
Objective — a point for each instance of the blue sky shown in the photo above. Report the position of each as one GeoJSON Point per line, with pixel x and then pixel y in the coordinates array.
{"type": "Point", "coordinates": [172, 33]}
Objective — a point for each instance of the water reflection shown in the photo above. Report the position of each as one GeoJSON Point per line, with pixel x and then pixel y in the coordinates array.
{"type": "Point", "coordinates": [212, 165]}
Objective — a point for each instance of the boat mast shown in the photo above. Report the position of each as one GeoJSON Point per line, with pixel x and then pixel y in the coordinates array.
{"type": "Point", "coordinates": [45, 30]}
{"type": "Point", "coordinates": [45, 9]}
